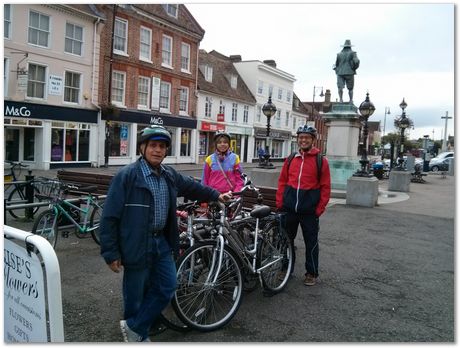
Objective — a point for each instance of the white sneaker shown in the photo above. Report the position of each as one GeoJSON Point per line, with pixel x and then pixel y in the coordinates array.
{"type": "Point", "coordinates": [128, 334]}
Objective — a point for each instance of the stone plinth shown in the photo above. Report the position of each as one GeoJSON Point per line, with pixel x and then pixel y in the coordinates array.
{"type": "Point", "coordinates": [362, 191]}
{"type": "Point", "coordinates": [399, 181]}
{"type": "Point", "coordinates": [265, 177]}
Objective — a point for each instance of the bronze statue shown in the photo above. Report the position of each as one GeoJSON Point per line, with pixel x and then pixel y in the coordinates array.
{"type": "Point", "coordinates": [345, 67]}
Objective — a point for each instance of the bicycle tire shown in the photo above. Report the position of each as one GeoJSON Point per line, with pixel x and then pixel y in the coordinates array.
{"type": "Point", "coordinates": [95, 220]}
{"type": "Point", "coordinates": [275, 248]}
{"type": "Point", "coordinates": [46, 225]}
{"type": "Point", "coordinates": [169, 318]}
{"type": "Point", "coordinates": [18, 195]}
{"type": "Point", "coordinates": [202, 306]}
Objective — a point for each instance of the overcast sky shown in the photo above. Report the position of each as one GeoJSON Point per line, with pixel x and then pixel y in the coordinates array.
{"type": "Point", "coordinates": [406, 51]}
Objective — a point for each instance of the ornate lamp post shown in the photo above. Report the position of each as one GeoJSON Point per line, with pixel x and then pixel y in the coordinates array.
{"type": "Point", "coordinates": [387, 112]}
{"type": "Point", "coordinates": [366, 109]}
{"type": "Point", "coordinates": [402, 123]}
{"type": "Point", "coordinates": [315, 88]}
{"type": "Point", "coordinates": [269, 109]}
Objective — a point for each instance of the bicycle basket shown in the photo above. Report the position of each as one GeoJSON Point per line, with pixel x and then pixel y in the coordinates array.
{"type": "Point", "coordinates": [49, 188]}
{"type": "Point", "coordinates": [7, 177]}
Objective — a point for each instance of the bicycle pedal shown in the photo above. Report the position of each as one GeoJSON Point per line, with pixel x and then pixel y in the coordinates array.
{"type": "Point", "coordinates": [65, 234]}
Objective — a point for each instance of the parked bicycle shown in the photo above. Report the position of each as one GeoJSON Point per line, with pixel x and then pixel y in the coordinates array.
{"type": "Point", "coordinates": [211, 273]}
{"type": "Point", "coordinates": [85, 218]}
{"type": "Point", "coordinates": [16, 192]}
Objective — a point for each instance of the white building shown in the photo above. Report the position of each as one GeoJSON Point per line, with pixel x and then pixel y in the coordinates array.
{"type": "Point", "coordinates": [264, 79]}
{"type": "Point", "coordinates": [50, 117]}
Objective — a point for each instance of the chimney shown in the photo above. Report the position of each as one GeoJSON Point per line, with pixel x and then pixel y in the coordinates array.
{"type": "Point", "coordinates": [270, 62]}
{"type": "Point", "coordinates": [235, 58]}
{"type": "Point", "coordinates": [327, 97]}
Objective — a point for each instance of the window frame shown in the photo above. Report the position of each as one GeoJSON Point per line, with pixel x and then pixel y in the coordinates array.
{"type": "Point", "coordinates": [208, 71]}
{"type": "Point", "coordinates": [123, 96]}
{"type": "Point", "coordinates": [123, 52]}
{"type": "Point", "coordinates": [45, 82]}
{"type": "Point", "coordinates": [149, 58]}
{"type": "Point", "coordinates": [260, 88]}
{"type": "Point", "coordinates": [147, 80]}
{"type": "Point", "coordinates": [187, 68]}
{"type": "Point", "coordinates": [73, 40]}
{"type": "Point", "coordinates": [163, 51]}
{"type": "Point", "coordinates": [184, 111]}
{"type": "Point", "coordinates": [208, 107]}
{"type": "Point", "coordinates": [7, 22]}
{"type": "Point", "coordinates": [175, 7]}
{"type": "Point", "coordinates": [246, 114]}
{"type": "Point", "coordinates": [72, 87]}
{"type": "Point", "coordinates": [39, 30]}
{"type": "Point", "coordinates": [163, 108]}
{"type": "Point", "coordinates": [234, 112]}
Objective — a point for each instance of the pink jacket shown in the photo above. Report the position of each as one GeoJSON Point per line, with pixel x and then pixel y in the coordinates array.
{"type": "Point", "coordinates": [213, 176]}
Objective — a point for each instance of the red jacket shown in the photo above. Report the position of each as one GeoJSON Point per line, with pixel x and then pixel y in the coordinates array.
{"type": "Point", "coordinates": [298, 188]}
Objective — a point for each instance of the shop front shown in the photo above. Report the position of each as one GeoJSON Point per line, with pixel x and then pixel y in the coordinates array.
{"type": "Point", "coordinates": [279, 142]}
{"type": "Point", "coordinates": [48, 136]}
{"type": "Point", "coordinates": [124, 127]}
{"type": "Point", "coordinates": [207, 130]}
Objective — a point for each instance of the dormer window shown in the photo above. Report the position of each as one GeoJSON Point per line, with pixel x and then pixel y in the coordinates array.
{"type": "Point", "coordinates": [206, 70]}
{"type": "Point", "coordinates": [171, 9]}
{"type": "Point", "coordinates": [233, 81]}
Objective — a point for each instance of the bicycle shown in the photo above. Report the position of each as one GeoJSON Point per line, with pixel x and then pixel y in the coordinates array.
{"type": "Point", "coordinates": [18, 195]}
{"type": "Point", "coordinates": [211, 273]}
{"type": "Point", "coordinates": [47, 223]}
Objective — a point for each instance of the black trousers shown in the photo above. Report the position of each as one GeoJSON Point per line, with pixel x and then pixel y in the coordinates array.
{"type": "Point", "coordinates": [310, 228]}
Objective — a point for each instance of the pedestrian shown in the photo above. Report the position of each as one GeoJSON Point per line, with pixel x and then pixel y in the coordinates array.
{"type": "Point", "coordinates": [139, 232]}
{"type": "Point", "coordinates": [345, 67]}
{"type": "Point", "coordinates": [222, 169]}
{"type": "Point", "coordinates": [261, 154]}
{"type": "Point", "coordinates": [304, 189]}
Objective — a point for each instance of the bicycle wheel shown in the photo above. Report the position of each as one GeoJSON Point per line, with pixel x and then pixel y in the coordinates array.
{"type": "Point", "coordinates": [18, 196]}
{"type": "Point", "coordinates": [46, 225]}
{"type": "Point", "coordinates": [94, 222]}
{"type": "Point", "coordinates": [274, 257]}
{"type": "Point", "coordinates": [169, 318]}
{"type": "Point", "coordinates": [200, 303]}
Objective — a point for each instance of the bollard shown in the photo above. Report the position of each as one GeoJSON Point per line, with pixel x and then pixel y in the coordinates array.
{"type": "Point", "coordinates": [29, 195]}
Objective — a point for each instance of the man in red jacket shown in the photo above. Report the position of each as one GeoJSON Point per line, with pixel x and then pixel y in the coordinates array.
{"type": "Point", "coordinates": [303, 193]}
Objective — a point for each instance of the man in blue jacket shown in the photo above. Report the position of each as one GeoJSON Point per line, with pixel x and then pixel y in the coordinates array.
{"type": "Point", "coordinates": [139, 230]}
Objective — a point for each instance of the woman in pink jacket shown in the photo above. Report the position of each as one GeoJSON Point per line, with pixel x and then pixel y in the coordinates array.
{"type": "Point", "coordinates": [222, 169]}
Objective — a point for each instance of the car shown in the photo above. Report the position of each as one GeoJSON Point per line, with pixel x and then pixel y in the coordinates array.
{"type": "Point", "coordinates": [440, 166]}
{"type": "Point", "coordinates": [436, 161]}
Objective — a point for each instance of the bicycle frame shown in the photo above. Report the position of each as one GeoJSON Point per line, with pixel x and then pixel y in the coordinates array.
{"type": "Point", "coordinates": [83, 228]}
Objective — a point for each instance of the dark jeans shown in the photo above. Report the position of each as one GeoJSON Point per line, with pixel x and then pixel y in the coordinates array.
{"type": "Point", "coordinates": [310, 228]}
{"type": "Point", "coordinates": [147, 291]}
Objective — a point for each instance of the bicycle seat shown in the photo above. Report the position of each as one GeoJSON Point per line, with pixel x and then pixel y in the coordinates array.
{"type": "Point", "coordinates": [260, 211]}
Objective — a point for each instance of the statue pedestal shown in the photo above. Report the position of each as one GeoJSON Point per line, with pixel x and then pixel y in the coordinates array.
{"type": "Point", "coordinates": [342, 143]}
{"type": "Point", "coordinates": [362, 191]}
{"type": "Point", "coordinates": [399, 181]}
{"type": "Point", "coordinates": [265, 177]}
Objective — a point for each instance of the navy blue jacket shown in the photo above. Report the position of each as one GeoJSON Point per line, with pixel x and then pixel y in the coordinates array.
{"type": "Point", "coordinates": [128, 213]}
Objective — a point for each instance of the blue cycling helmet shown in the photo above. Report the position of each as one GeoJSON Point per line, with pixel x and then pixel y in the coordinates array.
{"type": "Point", "coordinates": [154, 132]}
{"type": "Point", "coordinates": [306, 129]}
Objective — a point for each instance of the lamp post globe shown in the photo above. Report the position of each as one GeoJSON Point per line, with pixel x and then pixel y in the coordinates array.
{"type": "Point", "coordinates": [269, 109]}
{"type": "Point", "coordinates": [403, 122]}
{"type": "Point", "coordinates": [366, 109]}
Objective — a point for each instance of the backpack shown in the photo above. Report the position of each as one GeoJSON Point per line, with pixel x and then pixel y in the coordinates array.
{"type": "Point", "coordinates": [319, 163]}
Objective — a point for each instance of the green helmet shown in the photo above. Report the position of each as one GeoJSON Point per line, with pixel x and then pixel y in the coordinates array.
{"type": "Point", "coordinates": [154, 132]}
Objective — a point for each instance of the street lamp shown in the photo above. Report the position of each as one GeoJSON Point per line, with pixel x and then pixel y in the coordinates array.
{"type": "Point", "coordinates": [315, 88]}
{"type": "Point", "coordinates": [402, 123]}
{"type": "Point", "coordinates": [269, 109]}
{"type": "Point", "coordinates": [366, 109]}
{"type": "Point", "coordinates": [387, 112]}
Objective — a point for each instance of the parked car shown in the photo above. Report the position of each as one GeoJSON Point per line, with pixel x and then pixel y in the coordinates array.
{"type": "Point", "coordinates": [440, 166]}
{"type": "Point", "coordinates": [436, 161]}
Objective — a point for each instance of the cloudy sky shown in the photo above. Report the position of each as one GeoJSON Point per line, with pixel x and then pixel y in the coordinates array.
{"type": "Point", "coordinates": [406, 51]}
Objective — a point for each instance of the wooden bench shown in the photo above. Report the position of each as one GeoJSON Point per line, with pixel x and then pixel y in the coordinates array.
{"type": "Point", "coordinates": [102, 181]}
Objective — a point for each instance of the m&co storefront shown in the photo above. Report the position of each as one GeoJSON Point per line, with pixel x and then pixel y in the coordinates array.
{"type": "Point", "coordinates": [125, 126]}
{"type": "Point", "coordinates": [48, 136]}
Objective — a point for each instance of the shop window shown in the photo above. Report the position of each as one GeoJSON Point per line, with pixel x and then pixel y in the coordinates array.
{"type": "Point", "coordinates": [119, 140]}
{"type": "Point", "coordinates": [83, 145]}
{"type": "Point", "coordinates": [203, 144]}
{"type": "Point", "coordinates": [29, 144]}
{"type": "Point", "coordinates": [70, 145]}
{"type": "Point", "coordinates": [57, 142]}
{"type": "Point", "coordinates": [185, 139]}
{"type": "Point", "coordinates": [11, 144]}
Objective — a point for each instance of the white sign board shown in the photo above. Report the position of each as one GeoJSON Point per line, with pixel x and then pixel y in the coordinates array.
{"type": "Point", "coordinates": [24, 314]}
{"type": "Point", "coordinates": [55, 85]}
{"type": "Point", "coordinates": [22, 82]}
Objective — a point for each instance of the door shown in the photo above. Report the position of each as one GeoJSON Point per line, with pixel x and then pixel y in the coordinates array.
{"type": "Point", "coordinates": [12, 138]}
